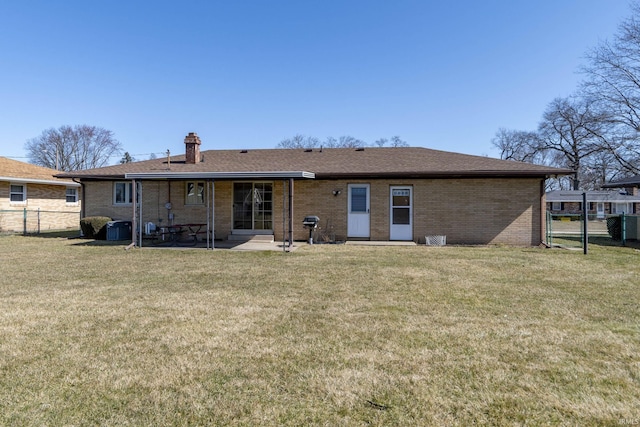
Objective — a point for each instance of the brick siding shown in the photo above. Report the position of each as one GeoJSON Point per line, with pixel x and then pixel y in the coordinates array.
{"type": "Point", "coordinates": [50, 200]}
{"type": "Point", "coordinates": [467, 211]}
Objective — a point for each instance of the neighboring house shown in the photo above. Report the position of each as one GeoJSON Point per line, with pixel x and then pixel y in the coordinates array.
{"type": "Point", "coordinates": [32, 196]}
{"type": "Point", "coordinates": [601, 203]}
{"type": "Point", "coordinates": [630, 184]}
{"type": "Point", "coordinates": [367, 194]}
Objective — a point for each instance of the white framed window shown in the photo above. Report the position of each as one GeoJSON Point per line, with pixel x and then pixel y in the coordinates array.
{"type": "Point", "coordinates": [18, 194]}
{"type": "Point", "coordinates": [620, 208]}
{"type": "Point", "coordinates": [122, 193]}
{"type": "Point", "coordinates": [556, 206]}
{"type": "Point", "coordinates": [194, 193]}
{"type": "Point", "coordinates": [72, 195]}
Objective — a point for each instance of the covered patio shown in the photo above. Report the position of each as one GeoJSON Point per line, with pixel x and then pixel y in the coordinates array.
{"type": "Point", "coordinates": [200, 231]}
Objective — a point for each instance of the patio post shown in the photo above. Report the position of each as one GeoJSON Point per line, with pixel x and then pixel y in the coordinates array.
{"type": "Point", "coordinates": [134, 222]}
{"type": "Point", "coordinates": [290, 212]}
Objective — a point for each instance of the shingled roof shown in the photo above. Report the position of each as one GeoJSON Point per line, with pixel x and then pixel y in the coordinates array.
{"type": "Point", "coordinates": [16, 171]}
{"type": "Point", "coordinates": [592, 196]}
{"type": "Point", "coordinates": [331, 163]}
{"type": "Point", "coordinates": [633, 181]}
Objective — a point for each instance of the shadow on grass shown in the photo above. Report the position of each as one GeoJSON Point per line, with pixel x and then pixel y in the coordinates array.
{"type": "Point", "coordinates": [576, 241]}
{"type": "Point", "coordinates": [75, 235]}
{"type": "Point", "coordinates": [56, 234]}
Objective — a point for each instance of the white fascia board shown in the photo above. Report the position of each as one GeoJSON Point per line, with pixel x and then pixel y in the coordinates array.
{"type": "Point", "coordinates": [221, 175]}
{"type": "Point", "coordinates": [39, 181]}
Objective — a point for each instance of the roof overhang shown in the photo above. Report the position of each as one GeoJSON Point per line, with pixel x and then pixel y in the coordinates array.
{"type": "Point", "coordinates": [443, 174]}
{"type": "Point", "coordinates": [622, 184]}
{"type": "Point", "coordinates": [40, 181]}
{"type": "Point", "coordinates": [221, 175]}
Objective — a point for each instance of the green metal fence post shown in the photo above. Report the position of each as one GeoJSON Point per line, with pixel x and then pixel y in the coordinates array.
{"type": "Point", "coordinates": [585, 224]}
{"type": "Point", "coordinates": [24, 222]}
{"type": "Point", "coordinates": [623, 228]}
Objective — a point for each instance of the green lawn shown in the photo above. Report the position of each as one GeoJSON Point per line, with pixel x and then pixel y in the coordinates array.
{"type": "Point", "coordinates": [91, 334]}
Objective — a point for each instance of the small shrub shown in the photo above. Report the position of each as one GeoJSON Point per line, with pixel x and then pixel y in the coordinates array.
{"type": "Point", "coordinates": [614, 227]}
{"type": "Point", "coordinates": [94, 227]}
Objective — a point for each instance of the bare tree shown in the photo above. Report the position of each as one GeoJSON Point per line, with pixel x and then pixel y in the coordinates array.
{"type": "Point", "coordinates": [73, 148]}
{"type": "Point", "coordinates": [306, 142]}
{"type": "Point", "coordinates": [381, 142]}
{"type": "Point", "coordinates": [613, 80]}
{"type": "Point", "coordinates": [397, 142]}
{"type": "Point", "coordinates": [348, 141]}
{"type": "Point", "coordinates": [518, 145]}
{"type": "Point", "coordinates": [573, 129]}
{"type": "Point", "coordinates": [345, 141]}
{"type": "Point", "coordinates": [299, 141]}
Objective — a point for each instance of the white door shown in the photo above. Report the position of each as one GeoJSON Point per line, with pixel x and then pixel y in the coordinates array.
{"type": "Point", "coordinates": [358, 211]}
{"type": "Point", "coordinates": [600, 210]}
{"type": "Point", "coordinates": [401, 214]}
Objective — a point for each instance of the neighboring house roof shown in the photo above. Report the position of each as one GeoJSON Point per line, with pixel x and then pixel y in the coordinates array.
{"type": "Point", "coordinates": [21, 172]}
{"type": "Point", "coordinates": [329, 163]}
{"type": "Point", "coordinates": [633, 181]}
{"type": "Point", "coordinates": [592, 196]}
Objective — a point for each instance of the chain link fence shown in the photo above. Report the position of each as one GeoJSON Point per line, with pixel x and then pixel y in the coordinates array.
{"type": "Point", "coordinates": [567, 230]}
{"type": "Point", "coordinates": [35, 221]}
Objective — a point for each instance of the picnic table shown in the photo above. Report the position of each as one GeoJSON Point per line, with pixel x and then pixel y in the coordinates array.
{"type": "Point", "coordinates": [174, 234]}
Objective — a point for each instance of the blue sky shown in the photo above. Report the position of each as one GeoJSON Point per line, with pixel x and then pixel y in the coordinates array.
{"type": "Point", "coordinates": [247, 74]}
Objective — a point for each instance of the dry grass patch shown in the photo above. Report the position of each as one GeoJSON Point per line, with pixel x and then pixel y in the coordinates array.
{"type": "Point", "coordinates": [329, 334]}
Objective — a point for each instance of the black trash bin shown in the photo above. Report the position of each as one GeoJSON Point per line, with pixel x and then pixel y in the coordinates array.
{"type": "Point", "coordinates": [119, 230]}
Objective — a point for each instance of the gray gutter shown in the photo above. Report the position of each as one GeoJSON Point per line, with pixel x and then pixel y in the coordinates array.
{"type": "Point", "coordinates": [442, 174]}
{"type": "Point", "coordinates": [222, 175]}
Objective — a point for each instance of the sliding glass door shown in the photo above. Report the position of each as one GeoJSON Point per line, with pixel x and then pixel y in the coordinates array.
{"type": "Point", "coordinates": [253, 206]}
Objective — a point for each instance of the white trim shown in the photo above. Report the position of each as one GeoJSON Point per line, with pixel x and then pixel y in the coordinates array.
{"type": "Point", "coordinates": [128, 191]}
{"type": "Point", "coordinates": [186, 193]}
{"type": "Point", "coordinates": [359, 222]}
{"type": "Point", "coordinates": [39, 181]}
{"type": "Point", "coordinates": [22, 202]}
{"type": "Point", "coordinates": [401, 231]}
{"type": "Point", "coordinates": [252, 231]}
{"type": "Point", "coordinates": [77, 196]}
{"type": "Point", "coordinates": [622, 207]}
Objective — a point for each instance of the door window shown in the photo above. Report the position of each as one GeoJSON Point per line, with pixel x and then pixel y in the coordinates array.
{"type": "Point", "coordinates": [359, 199]}
{"type": "Point", "coordinates": [401, 206]}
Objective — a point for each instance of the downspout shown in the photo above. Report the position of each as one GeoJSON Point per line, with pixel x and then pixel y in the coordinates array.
{"type": "Point", "coordinates": [82, 208]}
{"type": "Point", "coordinates": [82, 187]}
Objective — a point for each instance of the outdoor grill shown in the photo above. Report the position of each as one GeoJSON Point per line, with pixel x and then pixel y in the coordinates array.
{"type": "Point", "coordinates": [311, 222]}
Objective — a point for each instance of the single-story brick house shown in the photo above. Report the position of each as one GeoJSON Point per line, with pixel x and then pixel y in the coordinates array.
{"type": "Point", "coordinates": [32, 196]}
{"type": "Point", "coordinates": [363, 193]}
{"type": "Point", "coordinates": [601, 203]}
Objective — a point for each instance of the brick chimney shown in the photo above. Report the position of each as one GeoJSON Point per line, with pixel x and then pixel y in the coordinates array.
{"type": "Point", "coordinates": [192, 141]}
